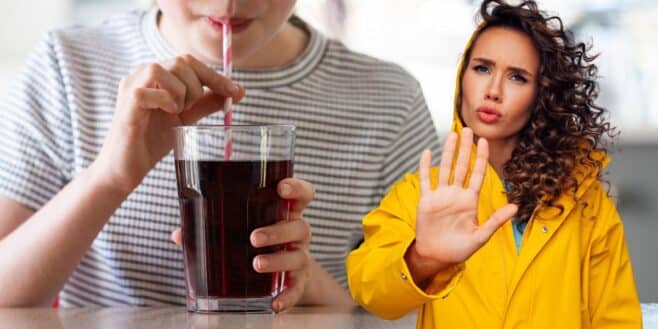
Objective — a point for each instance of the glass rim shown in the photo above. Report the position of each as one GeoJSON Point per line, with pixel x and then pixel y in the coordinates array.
{"type": "Point", "coordinates": [234, 127]}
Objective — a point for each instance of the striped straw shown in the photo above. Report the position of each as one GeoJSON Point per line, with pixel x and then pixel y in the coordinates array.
{"type": "Point", "coordinates": [228, 72]}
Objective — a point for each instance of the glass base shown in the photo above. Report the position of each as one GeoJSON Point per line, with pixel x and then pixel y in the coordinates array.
{"type": "Point", "coordinates": [215, 304]}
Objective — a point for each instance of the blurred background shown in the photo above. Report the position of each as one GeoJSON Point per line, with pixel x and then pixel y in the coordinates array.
{"type": "Point", "coordinates": [427, 37]}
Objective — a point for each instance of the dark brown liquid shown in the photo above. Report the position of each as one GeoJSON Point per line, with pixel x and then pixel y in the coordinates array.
{"type": "Point", "coordinates": [221, 204]}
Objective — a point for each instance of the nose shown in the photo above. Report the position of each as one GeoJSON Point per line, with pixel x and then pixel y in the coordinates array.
{"type": "Point", "coordinates": [494, 92]}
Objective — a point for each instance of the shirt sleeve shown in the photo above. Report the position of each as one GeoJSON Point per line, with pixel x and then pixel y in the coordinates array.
{"type": "Point", "coordinates": [35, 131]}
{"type": "Point", "coordinates": [378, 276]}
{"type": "Point", "coordinates": [417, 133]}
{"type": "Point", "coordinates": [613, 300]}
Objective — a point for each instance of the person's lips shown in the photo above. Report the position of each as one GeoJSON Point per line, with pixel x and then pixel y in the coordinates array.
{"type": "Point", "coordinates": [237, 24]}
{"type": "Point", "coordinates": [488, 115]}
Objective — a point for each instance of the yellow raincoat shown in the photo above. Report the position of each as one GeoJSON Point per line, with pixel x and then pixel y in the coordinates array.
{"type": "Point", "coordinates": [573, 269]}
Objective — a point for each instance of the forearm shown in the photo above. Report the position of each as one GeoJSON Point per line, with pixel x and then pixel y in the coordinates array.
{"type": "Point", "coordinates": [323, 289]}
{"type": "Point", "coordinates": [378, 279]}
{"type": "Point", "coordinates": [38, 257]}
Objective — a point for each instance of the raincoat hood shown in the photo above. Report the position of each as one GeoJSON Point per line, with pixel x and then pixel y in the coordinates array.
{"type": "Point", "coordinates": [584, 175]}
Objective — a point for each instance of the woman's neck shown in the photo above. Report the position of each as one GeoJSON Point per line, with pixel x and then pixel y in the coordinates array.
{"type": "Point", "coordinates": [500, 151]}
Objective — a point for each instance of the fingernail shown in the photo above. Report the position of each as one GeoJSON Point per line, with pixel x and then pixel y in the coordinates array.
{"type": "Point", "coordinates": [259, 238]}
{"type": "Point", "coordinates": [259, 263]}
{"type": "Point", "coordinates": [277, 306]}
{"type": "Point", "coordinates": [285, 189]}
{"type": "Point", "coordinates": [234, 88]}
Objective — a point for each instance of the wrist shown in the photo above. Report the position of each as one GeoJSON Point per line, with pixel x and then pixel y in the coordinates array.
{"type": "Point", "coordinates": [101, 179]}
{"type": "Point", "coordinates": [322, 289]}
{"type": "Point", "coordinates": [423, 267]}
{"type": "Point", "coordinates": [310, 289]}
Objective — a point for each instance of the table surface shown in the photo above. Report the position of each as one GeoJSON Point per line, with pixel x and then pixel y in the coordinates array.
{"type": "Point", "coordinates": [179, 318]}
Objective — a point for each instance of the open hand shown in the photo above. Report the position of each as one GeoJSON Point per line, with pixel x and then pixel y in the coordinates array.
{"type": "Point", "coordinates": [447, 228]}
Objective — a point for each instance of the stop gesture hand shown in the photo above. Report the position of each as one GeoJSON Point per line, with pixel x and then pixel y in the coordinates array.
{"type": "Point", "coordinates": [447, 228]}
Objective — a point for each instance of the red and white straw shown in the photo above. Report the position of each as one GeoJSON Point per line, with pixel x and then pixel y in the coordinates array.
{"type": "Point", "coordinates": [228, 72]}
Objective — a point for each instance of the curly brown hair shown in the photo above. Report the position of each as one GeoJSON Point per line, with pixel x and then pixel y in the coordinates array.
{"type": "Point", "coordinates": [565, 126]}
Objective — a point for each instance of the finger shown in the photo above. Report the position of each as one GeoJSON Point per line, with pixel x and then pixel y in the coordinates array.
{"type": "Point", "coordinates": [282, 261]}
{"type": "Point", "coordinates": [213, 80]}
{"type": "Point", "coordinates": [148, 99]}
{"type": "Point", "coordinates": [208, 104]}
{"type": "Point", "coordinates": [177, 237]}
{"type": "Point", "coordinates": [480, 167]}
{"type": "Point", "coordinates": [446, 158]}
{"type": "Point", "coordinates": [424, 169]}
{"type": "Point", "coordinates": [299, 191]}
{"type": "Point", "coordinates": [184, 72]}
{"type": "Point", "coordinates": [293, 231]}
{"type": "Point", "coordinates": [463, 159]}
{"type": "Point", "coordinates": [500, 217]}
{"type": "Point", "coordinates": [157, 77]}
{"type": "Point", "coordinates": [292, 293]}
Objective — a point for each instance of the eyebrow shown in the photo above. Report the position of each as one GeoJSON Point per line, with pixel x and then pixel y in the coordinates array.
{"type": "Point", "coordinates": [513, 68]}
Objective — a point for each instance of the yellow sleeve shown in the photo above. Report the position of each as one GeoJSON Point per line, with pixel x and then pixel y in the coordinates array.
{"type": "Point", "coordinates": [378, 276]}
{"type": "Point", "coordinates": [613, 300]}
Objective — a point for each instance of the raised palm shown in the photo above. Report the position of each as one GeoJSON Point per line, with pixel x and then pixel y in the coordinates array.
{"type": "Point", "coordinates": [447, 228]}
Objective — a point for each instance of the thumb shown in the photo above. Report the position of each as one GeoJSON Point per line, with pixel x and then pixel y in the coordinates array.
{"type": "Point", "coordinates": [209, 103]}
{"type": "Point", "coordinates": [500, 217]}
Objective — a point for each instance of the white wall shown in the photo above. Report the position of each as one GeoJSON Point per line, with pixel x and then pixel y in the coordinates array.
{"type": "Point", "coordinates": [23, 24]}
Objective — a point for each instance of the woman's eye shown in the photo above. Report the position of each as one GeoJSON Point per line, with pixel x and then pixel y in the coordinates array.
{"type": "Point", "coordinates": [519, 78]}
{"type": "Point", "coordinates": [481, 69]}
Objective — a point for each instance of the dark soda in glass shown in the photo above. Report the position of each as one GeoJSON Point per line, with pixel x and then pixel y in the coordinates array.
{"type": "Point", "coordinates": [221, 203]}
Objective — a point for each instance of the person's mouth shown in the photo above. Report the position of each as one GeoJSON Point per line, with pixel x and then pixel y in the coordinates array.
{"type": "Point", "coordinates": [488, 115]}
{"type": "Point", "coordinates": [237, 24]}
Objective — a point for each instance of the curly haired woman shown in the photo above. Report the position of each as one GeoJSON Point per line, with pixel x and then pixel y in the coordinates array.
{"type": "Point", "coordinates": [517, 232]}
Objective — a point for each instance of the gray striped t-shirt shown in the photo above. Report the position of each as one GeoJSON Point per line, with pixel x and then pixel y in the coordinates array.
{"type": "Point", "coordinates": [361, 123]}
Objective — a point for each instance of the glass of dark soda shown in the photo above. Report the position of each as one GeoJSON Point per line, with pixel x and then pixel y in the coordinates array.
{"type": "Point", "coordinates": [227, 180]}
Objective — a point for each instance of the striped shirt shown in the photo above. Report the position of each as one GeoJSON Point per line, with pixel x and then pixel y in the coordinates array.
{"type": "Point", "coordinates": [361, 123]}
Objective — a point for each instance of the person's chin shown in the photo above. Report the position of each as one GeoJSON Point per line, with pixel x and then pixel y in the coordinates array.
{"type": "Point", "coordinates": [208, 51]}
{"type": "Point", "coordinates": [208, 56]}
{"type": "Point", "coordinates": [487, 132]}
